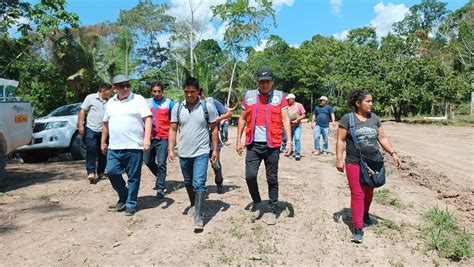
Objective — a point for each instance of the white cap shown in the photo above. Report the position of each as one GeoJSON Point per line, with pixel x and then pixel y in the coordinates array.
{"type": "Point", "coordinates": [289, 96]}
{"type": "Point", "coordinates": [323, 98]}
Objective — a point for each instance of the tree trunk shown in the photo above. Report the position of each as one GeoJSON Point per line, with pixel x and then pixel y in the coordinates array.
{"type": "Point", "coordinates": [231, 81]}
{"type": "Point", "coordinates": [126, 57]}
{"type": "Point", "coordinates": [397, 113]}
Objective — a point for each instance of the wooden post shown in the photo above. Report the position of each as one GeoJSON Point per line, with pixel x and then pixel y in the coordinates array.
{"type": "Point", "coordinates": [472, 102]}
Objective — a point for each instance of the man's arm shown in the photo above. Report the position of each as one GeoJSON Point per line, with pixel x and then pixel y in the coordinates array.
{"type": "Point", "coordinates": [313, 120]}
{"type": "Point", "coordinates": [286, 125]}
{"type": "Point", "coordinates": [146, 139]}
{"type": "Point", "coordinates": [172, 140]}
{"type": "Point", "coordinates": [103, 139]}
{"type": "Point", "coordinates": [240, 129]}
{"type": "Point", "coordinates": [215, 141]}
{"type": "Point", "coordinates": [80, 121]}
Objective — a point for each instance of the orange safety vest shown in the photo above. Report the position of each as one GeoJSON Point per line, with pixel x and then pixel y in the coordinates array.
{"type": "Point", "coordinates": [273, 119]}
{"type": "Point", "coordinates": [161, 119]}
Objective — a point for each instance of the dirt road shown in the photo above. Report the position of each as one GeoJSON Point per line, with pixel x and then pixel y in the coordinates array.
{"type": "Point", "coordinates": [50, 215]}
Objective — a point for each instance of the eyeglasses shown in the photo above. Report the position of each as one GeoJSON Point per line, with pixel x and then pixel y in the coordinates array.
{"type": "Point", "coordinates": [122, 85]}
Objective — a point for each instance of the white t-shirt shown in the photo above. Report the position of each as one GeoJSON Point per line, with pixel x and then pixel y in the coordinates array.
{"type": "Point", "coordinates": [126, 126]}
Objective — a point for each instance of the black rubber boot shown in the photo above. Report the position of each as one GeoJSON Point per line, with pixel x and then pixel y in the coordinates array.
{"type": "Point", "coordinates": [199, 212]}
{"type": "Point", "coordinates": [191, 194]}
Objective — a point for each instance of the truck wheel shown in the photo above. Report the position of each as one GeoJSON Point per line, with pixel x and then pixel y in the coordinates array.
{"type": "Point", "coordinates": [78, 148]}
{"type": "Point", "coordinates": [34, 157]}
{"type": "Point", "coordinates": [3, 162]}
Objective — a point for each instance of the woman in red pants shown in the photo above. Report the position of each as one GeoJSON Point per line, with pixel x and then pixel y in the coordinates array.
{"type": "Point", "coordinates": [369, 134]}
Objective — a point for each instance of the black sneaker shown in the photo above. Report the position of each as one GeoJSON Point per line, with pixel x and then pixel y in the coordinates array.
{"type": "Point", "coordinates": [130, 212]}
{"type": "Point", "coordinates": [367, 220]}
{"type": "Point", "coordinates": [298, 157]}
{"type": "Point", "coordinates": [358, 236]}
{"type": "Point", "coordinates": [119, 207]}
{"type": "Point", "coordinates": [159, 195]}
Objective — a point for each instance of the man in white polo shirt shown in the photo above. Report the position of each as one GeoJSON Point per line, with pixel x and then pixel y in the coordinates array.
{"type": "Point", "coordinates": [127, 123]}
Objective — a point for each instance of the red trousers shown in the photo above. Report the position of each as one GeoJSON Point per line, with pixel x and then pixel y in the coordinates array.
{"type": "Point", "coordinates": [361, 195]}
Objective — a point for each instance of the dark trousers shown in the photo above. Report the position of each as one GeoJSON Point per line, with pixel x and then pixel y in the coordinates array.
{"type": "Point", "coordinates": [257, 152]}
{"type": "Point", "coordinates": [217, 167]}
{"type": "Point", "coordinates": [93, 152]}
{"type": "Point", "coordinates": [155, 160]}
{"type": "Point", "coordinates": [224, 131]}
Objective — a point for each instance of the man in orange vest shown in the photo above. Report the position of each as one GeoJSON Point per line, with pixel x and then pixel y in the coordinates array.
{"type": "Point", "coordinates": [264, 114]}
{"type": "Point", "coordinates": [155, 157]}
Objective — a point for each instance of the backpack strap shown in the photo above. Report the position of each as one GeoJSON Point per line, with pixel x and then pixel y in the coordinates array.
{"type": "Point", "coordinates": [352, 129]}
{"type": "Point", "coordinates": [206, 112]}
{"type": "Point", "coordinates": [180, 106]}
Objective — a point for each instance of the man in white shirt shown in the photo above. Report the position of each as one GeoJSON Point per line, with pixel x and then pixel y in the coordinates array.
{"type": "Point", "coordinates": [127, 123]}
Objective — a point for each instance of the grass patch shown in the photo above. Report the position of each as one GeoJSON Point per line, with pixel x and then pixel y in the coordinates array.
{"type": "Point", "coordinates": [237, 232]}
{"type": "Point", "coordinates": [459, 120]}
{"type": "Point", "coordinates": [225, 258]}
{"type": "Point", "coordinates": [258, 231]}
{"type": "Point", "coordinates": [209, 244]}
{"type": "Point", "coordinates": [384, 197]}
{"type": "Point", "coordinates": [384, 225]}
{"type": "Point", "coordinates": [264, 248]}
{"type": "Point", "coordinates": [443, 234]}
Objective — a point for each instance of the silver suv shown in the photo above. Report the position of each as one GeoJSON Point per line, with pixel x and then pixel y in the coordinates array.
{"type": "Point", "coordinates": [55, 133]}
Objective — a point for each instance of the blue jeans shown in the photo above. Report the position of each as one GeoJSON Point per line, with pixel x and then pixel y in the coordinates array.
{"type": "Point", "coordinates": [155, 160]}
{"type": "Point", "coordinates": [296, 134]}
{"type": "Point", "coordinates": [130, 162]}
{"type": "Point", "coordinates": [318, 131]}
{"type": "Point", "coordinates": [195, 172]}
{"type": "Point", "coordinates": [93, 152]}
{"type": "Point", "coordinates": [224, 131]}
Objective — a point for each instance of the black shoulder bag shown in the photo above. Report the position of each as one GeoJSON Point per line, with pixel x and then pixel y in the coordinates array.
{"type": "Point", "coordinates": [372, 171]}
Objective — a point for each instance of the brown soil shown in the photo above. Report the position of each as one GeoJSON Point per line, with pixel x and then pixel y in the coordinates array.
{"type": "Point", "coordinates": [49, 214]}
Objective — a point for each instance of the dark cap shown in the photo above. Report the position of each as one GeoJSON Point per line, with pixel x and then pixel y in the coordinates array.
{"type": "Point", "coordinates": [120, 79]}
{"type": "Point", "coordinates": [264, 74]}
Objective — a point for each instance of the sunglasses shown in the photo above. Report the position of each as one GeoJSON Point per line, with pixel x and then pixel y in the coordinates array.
{"type": "Point", "coordinates": [122, 85]}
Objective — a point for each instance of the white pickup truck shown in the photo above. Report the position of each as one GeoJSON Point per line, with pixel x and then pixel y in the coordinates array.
{"type": "Point", "coordinates": [16, 121]}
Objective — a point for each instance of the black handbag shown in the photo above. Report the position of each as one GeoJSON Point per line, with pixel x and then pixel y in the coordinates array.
{"type": "Point", "coordinates": [372, 170]}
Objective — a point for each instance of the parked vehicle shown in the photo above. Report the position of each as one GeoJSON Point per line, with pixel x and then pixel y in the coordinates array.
{"type": "Point", "coordinates": [16, 121]}
{"type": "Point", "coordinates": [55, 133]}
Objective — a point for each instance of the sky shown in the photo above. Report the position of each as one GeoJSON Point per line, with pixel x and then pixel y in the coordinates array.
{"type": "Point", "coordinates": [297, 20]}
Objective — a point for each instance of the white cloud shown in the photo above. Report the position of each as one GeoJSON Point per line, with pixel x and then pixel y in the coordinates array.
{"type": "Point", "coordinates": [336, 6]}
{"type": "Point", "coordinates": [181, 10]}
{"type": "Point", "coordinates": [13, 31]}
{"type": "Point", "coordinates": [207, 28]}
{"type": "Point", "coordinates": [386, 15]}
{"type": "Point", "coordinates": [295, 45]}
{"type": "Point", "coordinates": [341, 35]}
{"type": "Point", "coordinates": [262, 45]}
{"type": "Point", "coordinates": [277, 4]}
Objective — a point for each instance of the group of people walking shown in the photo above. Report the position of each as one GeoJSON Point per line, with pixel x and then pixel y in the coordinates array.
{"type": "Point", "coordinates": [122, 131]}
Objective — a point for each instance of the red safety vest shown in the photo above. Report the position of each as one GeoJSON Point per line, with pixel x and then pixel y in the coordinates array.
{"type": "Point", "coordinates": [162, 120]}
{"type": "Point", "coordinates": [273, 119]}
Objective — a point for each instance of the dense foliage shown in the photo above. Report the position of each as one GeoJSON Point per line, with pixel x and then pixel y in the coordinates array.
{"type": "Point", "coordinates": [424, 66]}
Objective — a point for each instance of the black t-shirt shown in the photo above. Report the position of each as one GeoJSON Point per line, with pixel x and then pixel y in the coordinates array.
{"type": "Point", "coordinates": [366, 133]}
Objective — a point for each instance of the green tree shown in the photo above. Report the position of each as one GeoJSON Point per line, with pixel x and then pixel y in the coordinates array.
{"type": "Point", "coordinates": [245, 23]}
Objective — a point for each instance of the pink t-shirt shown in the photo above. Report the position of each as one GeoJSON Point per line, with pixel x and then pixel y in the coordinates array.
{"type": "Point", "coordinates": [295, 111]}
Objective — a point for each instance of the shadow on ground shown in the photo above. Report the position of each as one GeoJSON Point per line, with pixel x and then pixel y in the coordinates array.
{"type": "Point", "coordinates": [346, 215]}
{"type": "Point", "coordinates": [23, 175]}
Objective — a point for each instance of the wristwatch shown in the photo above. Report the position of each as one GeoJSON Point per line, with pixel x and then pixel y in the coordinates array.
{"type": "Point", "coordinates": [393, 152]}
